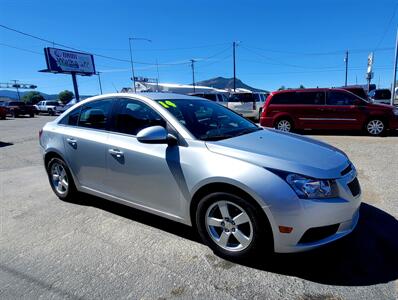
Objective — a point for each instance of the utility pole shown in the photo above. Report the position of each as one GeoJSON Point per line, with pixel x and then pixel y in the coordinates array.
{"type": "Point", "coordinates": [395, 72]}
{"type": "Point", "coordinates": [193, 74]}
{"type": "Point", "coordinates": [16, 85]}
{"type": "Point", "coordinates": [131, 58]}
{"type": "Point", "coordinates": [346, 67]}
{"type": "Point", "coordinates": [233, 47]}
{"type": "Point", "coordinates": [99, 81]}
{"type": "Point", "coordinates": [157, 80]}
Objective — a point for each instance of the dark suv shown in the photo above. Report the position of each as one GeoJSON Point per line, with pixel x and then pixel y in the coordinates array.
{"type": "Point", "coordinates": [326, 109]}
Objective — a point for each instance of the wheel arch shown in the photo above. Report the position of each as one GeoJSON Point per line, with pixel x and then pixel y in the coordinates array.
{"type": "Point", "coordinates": [214, 187]}
{"type": "Point", "coordinates": [53, 153]}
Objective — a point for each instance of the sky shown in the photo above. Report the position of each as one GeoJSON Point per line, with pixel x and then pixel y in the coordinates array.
{"type": "Point", "coordinates": [285, 43]}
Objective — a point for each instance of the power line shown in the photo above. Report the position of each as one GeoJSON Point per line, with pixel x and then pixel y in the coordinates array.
{"type": "Point", "coordinates": [21, 49]}
{"type": "Point", "coordinates": [75, 49]}
{"type": "Point", "coordinates": [387, 27]}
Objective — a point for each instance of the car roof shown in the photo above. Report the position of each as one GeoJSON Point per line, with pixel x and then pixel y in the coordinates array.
{"type": "Point", "coordinates": [165, 96]}
{"type": "Point", "coordinates": [309, 90]}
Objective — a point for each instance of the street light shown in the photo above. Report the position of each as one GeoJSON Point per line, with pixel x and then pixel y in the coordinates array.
{"type": "Point", "coordinates": [131, 57]}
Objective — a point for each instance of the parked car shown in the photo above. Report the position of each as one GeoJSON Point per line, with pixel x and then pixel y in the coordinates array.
{"type": "Point", "coordinates": [50, 107]}
{"type": "Point", "coordinates": [196, 162]}
{"type": "Point", "coordinates": [18, 108]}
{"type": "Point", "coordinates": [326, 109]}
{"type": "Point", "coordinates": [356, 90]}
{"type": "Point", "coordinates": [249, 105]}
{"type": "Point", "coordinates": [381, 96]}
{"type": "Point", "coordinates": [215, 97]}
{"type": "Point", "coordinates": [3, 112]}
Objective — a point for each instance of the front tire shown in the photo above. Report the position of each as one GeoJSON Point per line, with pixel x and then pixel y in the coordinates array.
{"type": "Point", "coordinates": [61, 180]}
{"type": "Point", "coordinates": [284, 125]}
{"type": "Point", "coordinates": [231, 226]}
{"type": "Point", "coordinates": [375, 127]}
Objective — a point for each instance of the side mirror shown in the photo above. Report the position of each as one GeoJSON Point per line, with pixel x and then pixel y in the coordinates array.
{"type": "Point", "coordinates": [156, 135]}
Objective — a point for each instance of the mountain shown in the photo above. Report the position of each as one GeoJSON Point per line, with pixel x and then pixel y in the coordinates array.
{"type": "Point", "coordinates": [12, 94]}
{"type": "Point", "coordinates": [227, 83]}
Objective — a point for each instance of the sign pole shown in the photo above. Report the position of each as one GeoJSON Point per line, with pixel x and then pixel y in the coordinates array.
{"type": "Point", "coordinates": [75, 87]}
{"type": "Point", "coordinates": [394, 83]}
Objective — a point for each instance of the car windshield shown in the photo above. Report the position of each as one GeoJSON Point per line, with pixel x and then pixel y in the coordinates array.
{"type": "Point", "coordinates": [208, 121]}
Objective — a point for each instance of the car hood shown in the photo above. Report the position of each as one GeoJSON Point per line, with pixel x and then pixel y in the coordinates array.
{"type": "Point", "coordinates": [284, 151]}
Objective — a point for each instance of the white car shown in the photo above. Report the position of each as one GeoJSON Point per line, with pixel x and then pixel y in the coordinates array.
{"type": "Point", "coordinates": [249, 105]}
{"type": "Point", "coordinates": [51, 107]}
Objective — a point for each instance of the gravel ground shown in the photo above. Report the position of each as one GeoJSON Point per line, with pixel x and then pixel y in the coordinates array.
{"type": "Point", "coordinates": [96, 249]}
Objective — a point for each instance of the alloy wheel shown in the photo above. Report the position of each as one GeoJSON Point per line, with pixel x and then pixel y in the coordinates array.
{"type": "Point", "coordinates": [375, 127]}
{"type": "Point", "coordinates": [59, 178]}
{"type": "Point", "coordinates": [284, 125]}
{"type": "Point", "coordinates": [229, 226]}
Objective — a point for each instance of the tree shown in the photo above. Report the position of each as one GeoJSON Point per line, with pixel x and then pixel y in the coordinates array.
{"type": "Point", "coordinates": [302, 86]}
{"type": "Point", "coordinates": [65, 96]}
{"type": "Point", "coordinates": [282, 88]}
{"type": "Point", "coordinates": [32, 97]}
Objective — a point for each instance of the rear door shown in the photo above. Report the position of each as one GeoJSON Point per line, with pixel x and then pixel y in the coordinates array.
{"type": "Point", "coordinates": [310, 106]}
{"type": "Point", "coordinates": [341, 112]}
{"type": "Point", "coordinates": [85, 139]}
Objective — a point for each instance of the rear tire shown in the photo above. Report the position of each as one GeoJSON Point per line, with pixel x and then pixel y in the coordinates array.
{"type": "Point", "coordinates": [51, 112]}
{"type": "Point", "coordinates": [61, 180]}
{"type": "Point", "coordinates": [232, 227]}
{"type": "Point", "coordinates": [284, 124]}
{"type": "Point", "coordinates": [14, 114]}
{"type": "Point", "coordinates": [32, 115]}
{"type": "Point", "coordinates": [375, 127]}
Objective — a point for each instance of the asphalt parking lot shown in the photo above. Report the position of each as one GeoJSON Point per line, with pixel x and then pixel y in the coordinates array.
{"type": "Point", "coordinates": [96, 249]}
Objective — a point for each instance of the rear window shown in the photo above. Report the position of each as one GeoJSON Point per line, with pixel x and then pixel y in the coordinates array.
{"type": "Point", "coordinates": [299, 98]}
{"type": "Point", "coordinates": [382, 94]}
{"type": "Point", "coordinates": [16, 103]}
{"type": "Point", "coordinates": [244, 97]}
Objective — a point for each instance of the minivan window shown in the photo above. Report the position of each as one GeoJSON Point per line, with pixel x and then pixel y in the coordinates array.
{"type": "Point", "coordinates": [131, 116]}
{"type": "Point", "coordinates": [310, 98]}
{"type": "Point", "coordinates": [95, 114]}
{"type": "Point", "coordinates": [340, 98]}
{"type": "Point", "coordinates": [284, 98]}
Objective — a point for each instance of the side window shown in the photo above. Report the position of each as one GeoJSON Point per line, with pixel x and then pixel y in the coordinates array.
{"type": "Point", "coordinates": [310, 98]}
{"type": "Point", "coordinates": [340, 98]}
{"type": "Point", "coordinates": [95, 114]}
{"type": "Point", "coordinates": [131, 116]}
{"type": "Point", "coordinates": [284, 98]}
{"type": "Point", "coordinates": [71, 118]}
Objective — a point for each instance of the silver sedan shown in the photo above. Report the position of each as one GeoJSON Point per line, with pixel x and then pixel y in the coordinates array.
{"type": "Point", "coordinates": [244, 188]}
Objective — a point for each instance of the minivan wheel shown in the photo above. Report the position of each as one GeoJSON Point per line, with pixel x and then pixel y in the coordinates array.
{"type": "Point", "coordinates": [375, 127]}
{"type": "Point", "coordinates": [232, 227]}
{"type": "Point", "coordinates": [61, 180]}
{"type": "Point", "coordinates": [284, 125]}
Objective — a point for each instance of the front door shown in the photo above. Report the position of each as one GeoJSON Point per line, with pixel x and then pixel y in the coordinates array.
{"type": "Point", "coordinates": [143, 174]}
{"type": "Point", "coordinates": [341, 111]}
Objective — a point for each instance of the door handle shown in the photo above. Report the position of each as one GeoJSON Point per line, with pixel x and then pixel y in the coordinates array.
{"type": "Point", "coordinates": [72, 142]}
{"type": "Point", "coordinates": [116, 152]}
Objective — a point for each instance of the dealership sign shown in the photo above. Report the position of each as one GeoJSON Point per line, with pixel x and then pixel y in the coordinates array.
{"type": "Point", "coordinates": [64, 61]}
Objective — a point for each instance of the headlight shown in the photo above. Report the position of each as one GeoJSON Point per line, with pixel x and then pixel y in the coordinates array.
{"type": "Point", "coordinates": [395, 111]}
{"type": "Point", "coordinates": [309, 188]}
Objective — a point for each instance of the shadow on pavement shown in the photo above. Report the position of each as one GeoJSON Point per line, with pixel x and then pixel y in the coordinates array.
{"type": "Point", "coordinates": [367, 256]}
{"type": "Point", "coordinates": [5, 144]}
{"type": "Point", "coordinates": [389, 133]}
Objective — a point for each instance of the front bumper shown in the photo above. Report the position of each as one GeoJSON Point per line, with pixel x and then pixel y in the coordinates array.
{"type": "Point", "coordinates": [319, 221]}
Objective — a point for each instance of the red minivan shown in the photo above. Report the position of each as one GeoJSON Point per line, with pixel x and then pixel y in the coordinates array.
{"type": "Point", "coordinates": [326, 109]}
